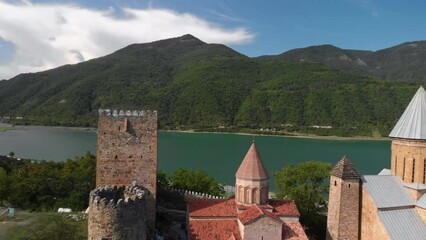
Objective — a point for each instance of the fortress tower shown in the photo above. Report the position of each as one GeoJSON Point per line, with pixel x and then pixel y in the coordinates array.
{"type": "Point", "coordinates": [252, 182]}
{"type": "Point", "coordinates": [127, 152]}
{"type": "Point", "coordinates": [344, 202]}
{"type": "Point", "coordinates": [409, 142]}
{"type": "Point", "coordinates": [117, 213]}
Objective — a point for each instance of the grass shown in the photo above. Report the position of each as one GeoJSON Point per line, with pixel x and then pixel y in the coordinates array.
{"type": "Point", "coordinates": [43, 226]}
{"type": "Point", "coordinates": [4, 129]}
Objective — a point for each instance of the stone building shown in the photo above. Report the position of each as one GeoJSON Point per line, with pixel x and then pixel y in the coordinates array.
{"type": "Point", "coordinates": [392, 204]}
{"type": "Point", "coordinates": [250, 215]}
{"type": "Point", "coordinates": [117, 213]}
{"type": "Point", "coordinates": [126, 156]}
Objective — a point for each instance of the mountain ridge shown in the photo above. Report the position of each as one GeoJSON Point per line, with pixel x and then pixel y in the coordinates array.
{"type": "Point", "coordinates": [210, 87]}
{"type": "Point", "coordinates": [403, 62]}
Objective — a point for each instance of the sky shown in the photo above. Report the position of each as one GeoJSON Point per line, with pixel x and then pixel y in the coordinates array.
{"type": "Point", "coordinates": [37, 35]}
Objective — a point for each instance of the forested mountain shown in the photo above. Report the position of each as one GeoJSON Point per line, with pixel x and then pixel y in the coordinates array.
{"type": "Point", "coordinates": [208, 86]}
{"type": "Point", "coordinates": [405, 62]}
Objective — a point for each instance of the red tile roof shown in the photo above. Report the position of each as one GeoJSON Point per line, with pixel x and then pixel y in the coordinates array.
{"type": "Point", "coordinates": [216, 219]}
{"type": "Point", "coordinates": [255, 212]}
{"type": "Point", "coordinates": [293, 231]}
{"type": "Point", "coordinates": [284, 208]}
{"type": "Point", "coordinates": [214, 230]}
{"type": "Point", "coordinates": [212, 207]}
{"type": "Point", "coordinates": [252, 167]}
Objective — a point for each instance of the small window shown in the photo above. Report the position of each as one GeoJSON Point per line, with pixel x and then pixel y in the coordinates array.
{"type": "Point", "coordinates": [349, 185]}
{"type": "Point", "coordinates": [335, 183]}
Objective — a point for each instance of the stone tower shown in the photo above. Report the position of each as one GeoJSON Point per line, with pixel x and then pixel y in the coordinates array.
{"type": "Point", "coordinates": [252, 182]}
{"type": "Point", "coordinates": [117, 213]}
{"type": "Point", "coordinates": [409, 142]}
{"type": "Point", "coordinates": [127, 152]}
{"type": "Point", "coordinates": [344, 202]}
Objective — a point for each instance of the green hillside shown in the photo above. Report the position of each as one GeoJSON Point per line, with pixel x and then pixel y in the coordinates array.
{"type": "Point", "coordinates": [404, 62]}
{"type": "Point", "coordinates": [202, 86]}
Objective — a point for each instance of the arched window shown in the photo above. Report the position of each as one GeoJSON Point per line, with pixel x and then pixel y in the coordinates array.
{"type": "Point", "coordinates": [240, 196]}
{"type": "Point", "coordinates": [255, 198]}
{"type": "Point", "coordinates": [247, 195]}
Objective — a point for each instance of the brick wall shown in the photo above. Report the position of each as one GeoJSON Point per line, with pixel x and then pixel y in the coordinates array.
{"type": "Point", "coordinates": [405, 154]}
{"type": "Point", "coordinates": [343, 209]}
{"type": "Point", "coordinates": [263, 228]}
{"type": "Point", "coordinates": [371, 227]}
{"type": "Point", "coordinates": [127, 152]}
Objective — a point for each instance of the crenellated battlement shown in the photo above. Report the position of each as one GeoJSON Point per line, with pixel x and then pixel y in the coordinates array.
{"type": "Point", "coordinates": [127, 113]}
{"type": "Point", "coordinates": [118, 212]}
{"type": "Point", "coordinates": [117, 196]}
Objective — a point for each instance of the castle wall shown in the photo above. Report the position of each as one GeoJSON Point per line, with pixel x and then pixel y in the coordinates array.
{"type": "Point", "coordinates": [406, 156]}
{"type": "Point", "coordinates": [262, 228]}
{"type": "Point", "coordinates": [343, 209]}
{"type": "Point", "coordinates": [117, 213]}
{"type": "Point", "coordinates": [127, 152]}
{"type": "Point", "coordinates": [371, 227]}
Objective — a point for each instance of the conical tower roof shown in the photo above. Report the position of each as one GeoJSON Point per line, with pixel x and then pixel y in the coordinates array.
{"type": "Point", "coordinates": [345, 169]}
{"type": "Point", "coordinates": [412, 124]}
{"type": "Point", "coordinates": [252, 167]}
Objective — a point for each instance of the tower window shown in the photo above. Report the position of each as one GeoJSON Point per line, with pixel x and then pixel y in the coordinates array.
{"type": "Point", "coordinates": [403, 171]}
{"type": "Point", "coordinates": [424, 170]}
{"type": "Point", "coordinates": [414, 167]}
{"type": "Point", "coordinates": [396, 165]}
{"type": "Point", "coordinates": [335, 183]}
{"type": "Point", "coordinates": [349, 185]}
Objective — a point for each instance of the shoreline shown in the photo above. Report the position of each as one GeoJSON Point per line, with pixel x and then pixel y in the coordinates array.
{"type": "Point", "coordinates": [291, 135]}
{"type": "Point", "coordinates": [301, 135]}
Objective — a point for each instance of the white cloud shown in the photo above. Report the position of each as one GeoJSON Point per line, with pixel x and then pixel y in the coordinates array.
{"type": "Point", "coordinates": [49, 35]}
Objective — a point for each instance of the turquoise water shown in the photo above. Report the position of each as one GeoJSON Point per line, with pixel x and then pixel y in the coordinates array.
{"type": "Point", "coordinates": [217, 154]}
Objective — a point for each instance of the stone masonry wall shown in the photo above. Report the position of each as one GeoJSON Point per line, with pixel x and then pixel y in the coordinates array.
{"type": "Point", "coordinates": [263, 228]}
{"type": "Point", "coordinates": [405, 154]}
{"type": "Point", "coordinates": [127, 152]}
{"type": "Point", "coordinates": [371, 227]}
{"type": "Point", "coordinates": [117, 213]}
{"type": "Point", "coordinates": [343, 209]}
{"type": "Point", "coordinates": [251, 191]}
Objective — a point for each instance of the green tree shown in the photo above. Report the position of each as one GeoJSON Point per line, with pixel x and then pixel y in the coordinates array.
{"type": "Point", "coordinates": [196, 180]}
{"type": "Point", "coordinates": [4, 185]}
{"type": "Point", "coordinates": [11, 154]}
{"type": "Point", "coordinates": [306, 185]}
{"type": "Point", "coordinates": [163, 180]}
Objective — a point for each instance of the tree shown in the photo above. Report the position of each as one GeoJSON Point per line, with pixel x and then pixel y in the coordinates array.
{"type": "Point", "coordinates": [4, 185]}
{"type": "Point", "coordinates": [11, 154]}
{"type": "Point", "coordinates": [196, 180]}
{"type": "Point", "coordinates": [306, 185]}
{"type": "Point", "coordinates": [162, 180]}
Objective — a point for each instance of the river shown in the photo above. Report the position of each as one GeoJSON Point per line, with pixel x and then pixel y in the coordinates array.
{"type": "Point", "coordinates": [217, 154]}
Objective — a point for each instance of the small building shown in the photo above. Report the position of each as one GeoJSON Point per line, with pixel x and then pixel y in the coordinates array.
{"type": "Point", "coordinates": [248, 215]}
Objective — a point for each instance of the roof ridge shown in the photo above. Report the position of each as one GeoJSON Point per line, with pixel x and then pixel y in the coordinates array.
{"type": "Point", "coordinates": [250, 215]}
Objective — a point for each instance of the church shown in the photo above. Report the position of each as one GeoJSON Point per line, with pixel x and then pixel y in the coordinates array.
{"type": "Point", "coordinates": [248, 215]}
{"type": "Point", "coordinates": [392, 204]}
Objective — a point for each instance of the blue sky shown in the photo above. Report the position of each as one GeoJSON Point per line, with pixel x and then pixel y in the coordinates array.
{"type": "Point", "coordinates": [40, 34]}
